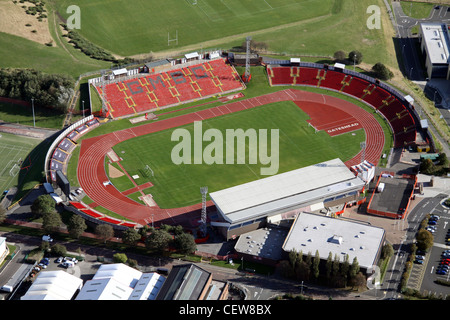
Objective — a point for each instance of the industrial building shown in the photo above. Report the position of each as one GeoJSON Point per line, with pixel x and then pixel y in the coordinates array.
{"type": "Point", "coordinates": [252, 205]}
{"type": "Point", "coordinates": [435, 46]}
{"type": "Point", "coordinates": [312, 232]}
{"type": "Point", "coordinates": [190, 282]}
{"type": "Point", "coordinates": [53, 285]}
{"type": "Point", "coordinates": [120, 282]}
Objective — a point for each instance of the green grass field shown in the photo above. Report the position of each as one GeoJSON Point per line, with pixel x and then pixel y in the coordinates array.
{"type": "Point", "coordinates": [13, 150]}
{"type": "Point", "coordinates": [317, 27]}
{"type": "Point", "coordinates": [178, 185]}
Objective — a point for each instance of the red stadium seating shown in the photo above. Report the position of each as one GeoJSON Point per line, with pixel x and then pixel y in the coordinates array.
{"type": "Point", "coordinates": [170, 88]}
{"type": "Point", "coordinates": [389, 106]}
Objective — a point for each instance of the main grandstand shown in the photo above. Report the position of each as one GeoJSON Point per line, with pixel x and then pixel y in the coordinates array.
{"type": "Point", "coordinates": [249, 206]}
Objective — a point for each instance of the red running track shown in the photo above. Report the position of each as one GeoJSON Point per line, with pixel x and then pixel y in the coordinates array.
{"type": "Point", "coordinates": [91, 172]}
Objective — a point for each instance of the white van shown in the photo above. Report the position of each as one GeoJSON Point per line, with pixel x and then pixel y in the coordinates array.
{"type": "Point", "coordinates": [7, 288]}
{"type": "Point", "coordinates": [68, 264]}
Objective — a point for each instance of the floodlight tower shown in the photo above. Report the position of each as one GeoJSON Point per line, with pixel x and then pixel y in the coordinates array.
{"type": "Point", "coordinates": [247, 76]}
{"type": "Point", "coordinates": [204, 191]}
{"type": "Point", "coordinates": [363, 151]}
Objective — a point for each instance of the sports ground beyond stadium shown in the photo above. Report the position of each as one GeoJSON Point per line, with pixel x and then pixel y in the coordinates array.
{"type": "Point", "coordinates": [313, 128]}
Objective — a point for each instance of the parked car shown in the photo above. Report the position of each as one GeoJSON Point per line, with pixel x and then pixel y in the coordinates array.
{"type": "Point", "coordinates": [418, 261]}
{"type": "Point", "coordinates": [75, 261]}
{"type": "Point", "coordinates": [59, 260]}
{"type": "Point", "coordinates": [420, 257]}
{"type": "Point", "coordinates": [432, 222]}
{"type": "Point", "coordinates": [442, 272]}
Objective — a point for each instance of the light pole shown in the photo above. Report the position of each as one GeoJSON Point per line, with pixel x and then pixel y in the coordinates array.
{"type": "Point", "coordinates": [410, 72]}
{"type": "Point", "coordinates": [32, 107]}
{"type": "Point", "coordinates": [83, 108]}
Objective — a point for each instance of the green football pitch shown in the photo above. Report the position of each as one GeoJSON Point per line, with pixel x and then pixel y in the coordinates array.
{"type": "Point", "coordinates": [142, 26]}
{"type": "Point", "coordinates": [179, 185]}
{"type": "Point", "coordinates": [14, 152]}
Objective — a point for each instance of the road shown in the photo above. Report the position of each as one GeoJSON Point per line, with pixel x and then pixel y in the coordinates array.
{"type": "Point", "coordinates": [420, 278]}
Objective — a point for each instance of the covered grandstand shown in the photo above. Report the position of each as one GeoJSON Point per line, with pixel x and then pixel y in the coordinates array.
{"type": "Point", "coordinates": [170, 85]}
{"type": "Point", "coordinates": [249, 206]}
{"type": "Point", "coordinates": [388, 102]}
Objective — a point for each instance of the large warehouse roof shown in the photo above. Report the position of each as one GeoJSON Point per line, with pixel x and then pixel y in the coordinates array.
{"type": "Point", "coordinates": [284, 190]}
{"type": "Point", "coordinates": [311, 232]}
{"type": "Point", "coordinates": [121, 282]}
{"type": "Point", "coordinates": [53, 285]}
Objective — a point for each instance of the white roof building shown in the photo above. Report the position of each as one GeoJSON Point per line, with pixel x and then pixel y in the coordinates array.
{"type": "Point", "coordinates": [435, 45]}
{"type": "Point", "coordinates": [147, 287]}
{"type": "Point", "coordinates": [120, 282]}
{"type": "Point", "coordinates": [269, 196]}
{"type": "Point", "coordinates": [311, 232]}
{"type": "Point", "coordinates": [53, 285]}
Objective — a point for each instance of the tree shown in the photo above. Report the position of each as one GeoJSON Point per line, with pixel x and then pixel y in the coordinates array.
{"type": "Point", "coordinates": [387, 251]}
{"type": "Point", "coordinates": [442, 158]}
{"type": "Point", "coordinates": [58, 250]}
{"type": "Point", "coordinates": [43, 204]}
{"type": "Point", "coordinates": [426, 166]}
{"type": "Point", "coordinates": [185, 243]}
{"type": "Point", "coordinates": [345, 266]}
{"type": "Point", "coordinates": [354, 269]}
{"type": "Point", "coordinates": [340, 55]}
{"type": "Point", "coordinates": [2, 214]}
{"type": "Point", "coordinates": [131, 236]}
{"type": "Point", "coordinates": [158, 240]}
{"type": "Point", "coordinates": [355, 57]}
{"type": "Point", "coordinates": [51, 221]}
{"type": "Point", "coordinates": [315, 265]}
{"type": "Point", "coordinates": [120, 258]}
{"type": "Point", "coordinates": [76, 226]}
{"type": "Point", "coordinates": [329, 266]}
{"type": "Point", "coordinates": [382, 71]}
{"type": "Point", "coordinates": [104, 231]}
{"type": "Point", "coordinates": [424, 239]}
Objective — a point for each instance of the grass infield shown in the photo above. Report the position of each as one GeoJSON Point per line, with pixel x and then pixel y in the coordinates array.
{"type": "Point", "coordinates": [179, 185]}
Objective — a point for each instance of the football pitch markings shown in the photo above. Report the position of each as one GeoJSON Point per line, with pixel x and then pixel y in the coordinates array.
{"type": "Point", "coordinates": [10, 162]}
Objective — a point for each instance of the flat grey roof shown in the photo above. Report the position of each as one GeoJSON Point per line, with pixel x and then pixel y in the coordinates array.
{"type": "Point", "coordinates": [285, 190]}
{"type": "Point", "coordinates": [311, 232]}
{"type": "Point", "coordinates": [395, 195]}
{"type": "Point", "coordinates": [264, 243]}
{"type": "Point", "coordinates": [437, 42]}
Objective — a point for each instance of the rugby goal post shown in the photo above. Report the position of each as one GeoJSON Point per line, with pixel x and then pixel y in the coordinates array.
{"type": "Point", "coordinates": [148, 171]}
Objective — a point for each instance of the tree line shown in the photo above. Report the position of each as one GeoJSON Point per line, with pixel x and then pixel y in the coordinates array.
{"type": "Point", "coordinates": [47, 90]}
{"type": "Point", "coordinates": [157, 240]}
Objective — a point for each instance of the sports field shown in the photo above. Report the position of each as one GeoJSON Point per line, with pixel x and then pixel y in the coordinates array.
{"type": "Point", "coordinates": [179, 185]}
{"type": "Point", "coordinates": [139, 26]}
{"type": "Point", "coordinates": [14, 151]}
